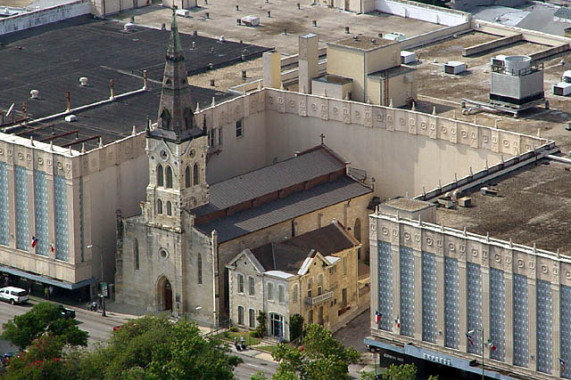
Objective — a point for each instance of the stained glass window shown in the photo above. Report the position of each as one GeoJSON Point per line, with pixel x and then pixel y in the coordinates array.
{"type": "Point", "coordinates": [60, 196]}
{"type": "Point", "coordinates": [544, 326]}
{"type": "Point", "coordinates": [23, 239]}
{"type": "Point", "coordinates": [4, 209]}
{"type": "Point", "coordinates": [520, 322]}
{"type": "Point", "coordinates": [407, 291]}
{"type": "Point", "coordinates": [451, 304]}
{"type": "Point", "coordinates": [41, 206]}
{"type": "Point", "coordinates": [497, 314]}
{"type": "Point", "coordinates": [474, 301]}
{"type": "Point", "coordinates": [385, 285]}
{"type": "Point", "coordinates": [429, 298]}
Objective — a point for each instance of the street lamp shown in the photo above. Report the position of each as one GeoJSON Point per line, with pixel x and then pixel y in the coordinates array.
{"type": "Point", "coordinates": [469, 335]}
{"type": "Point", "coordinates": [90, 246]}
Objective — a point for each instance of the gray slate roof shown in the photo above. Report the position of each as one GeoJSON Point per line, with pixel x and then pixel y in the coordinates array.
{"type": "Point", "coordinates": [292, 206]}
{"type": "Point", "coordinates": [563, 13]}
{"type": "Point", "coordinates": [270, 179]}
{"type": "Point", "coordinates": [289, 255]}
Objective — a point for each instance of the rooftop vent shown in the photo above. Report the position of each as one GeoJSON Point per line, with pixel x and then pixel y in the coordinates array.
{"type": "Point", "coordinates": [70, 118]}
{"type": "Point", "coordinates": [34, 94]}
{"type": "Point", "coordinates": [83, 81]}
{"type": "Point", "coordinates": [129, 27]}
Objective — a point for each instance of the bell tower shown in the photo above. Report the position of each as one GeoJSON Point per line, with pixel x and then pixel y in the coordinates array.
{"type": "Point", "coordinates": [176, 146]}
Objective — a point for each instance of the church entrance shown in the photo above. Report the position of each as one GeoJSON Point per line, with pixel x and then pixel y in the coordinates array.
{"type": "Point", "coordinates": [164, 295]}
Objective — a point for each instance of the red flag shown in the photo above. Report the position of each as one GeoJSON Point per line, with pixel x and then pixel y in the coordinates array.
{"type": "Point", "coordinates": [52, 248]}
{"type": "Point", "coordinates": [34, 242]}
{"type": "Point", "coordinates": [377, 317]}
{"type": "Point", "coordinates": [470, 340]}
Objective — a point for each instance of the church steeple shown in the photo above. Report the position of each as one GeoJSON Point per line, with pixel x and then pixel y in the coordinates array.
{"type": "Point", "coordinates": [175, 120]}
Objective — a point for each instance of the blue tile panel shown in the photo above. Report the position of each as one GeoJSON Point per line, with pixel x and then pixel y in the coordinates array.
{"type": "Point", "coordinates": [565, 309]}
{"type": "Point", "coordinates": [429, 298]}
{"type": "Point", "coordinates": [520, 321]}
{"type": "Point", "coordinates": [4, 206]}
{"type": "Point", "coordinates": [497, 314]}
{"type": "Point", "coordinates": [452, 303]}
{"type": "Point", "coordinates": [23, 239]}
{"type": "Point", "coordinates": [544, 326]}
{"type": "Point", "coordinates": [385, 285]}
{"type": "Point", "coordinates": [41, 208]}
{"type": "Point", "coordinates": [407, 291]}
{"type": "Point", "coordinates": [60, 196]}
{"type": "Point", "coordinates": [474, 301]}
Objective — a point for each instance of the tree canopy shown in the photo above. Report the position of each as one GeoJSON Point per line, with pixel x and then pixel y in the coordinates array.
{"type": "Point", "coordinates": [320, 357]}
{"type": "Point", "coordinates": [43, 318]}
{"type": "Point", "coordinates": [150, 348]}
{"type": "Point", "coordinates": [154, 348]}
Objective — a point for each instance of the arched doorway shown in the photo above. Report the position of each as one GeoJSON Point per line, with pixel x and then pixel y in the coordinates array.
{"type": "Point", "coordinates": [164, 294]}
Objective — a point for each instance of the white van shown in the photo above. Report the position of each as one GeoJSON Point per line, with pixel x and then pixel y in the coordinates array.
{"type": "Point", "coordinates": [13, 295]}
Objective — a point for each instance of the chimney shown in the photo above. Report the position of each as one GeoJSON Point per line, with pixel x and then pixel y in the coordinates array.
{"type": "Point", "coordinates": [145, 80]}
{"type": "Point", "coordinates": [111, 89]}
{"type": "Point", "coordinates": [24, 113]}
{"type": "Point", "coordinates": [272, 69]}
{"type": "Point", "coordinates": [68, 102]}
{"type": "Point", "coordinates": [308, 60]}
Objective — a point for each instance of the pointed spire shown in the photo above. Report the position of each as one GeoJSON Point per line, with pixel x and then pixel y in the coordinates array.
{"type": "Point", "coordinates": [175, 46]}
{"type": "Point", "coordinates": [175, 119]}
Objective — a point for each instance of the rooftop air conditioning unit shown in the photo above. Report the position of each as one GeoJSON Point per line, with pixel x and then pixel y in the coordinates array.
{"type": "Point", "coordinates": [250, 20]}
{"type": "Point", "coordinates": [183, 12]}
{"type": "Point", "coordinates": [561, 89]}
{"type": "Point", "coordinates": [454, 67]}
{"type": "Point", "coordinates": [407, 57]}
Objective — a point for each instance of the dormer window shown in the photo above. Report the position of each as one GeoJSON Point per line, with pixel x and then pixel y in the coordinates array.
{"type": "Point", "coordinates": [165, 119]}
{"type": "Point", "coordinates": [188, 118]}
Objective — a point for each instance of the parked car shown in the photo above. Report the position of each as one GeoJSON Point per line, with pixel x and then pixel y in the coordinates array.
{"type": "Point", "coordinates": [14, 295]}
{"type": "Point", "coordinates": [67, 313]}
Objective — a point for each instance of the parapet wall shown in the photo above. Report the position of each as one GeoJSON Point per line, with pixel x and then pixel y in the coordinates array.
{"type": "Point", "coordinates": [44, 16]}
{"type": "Point", "coordinates": [423, 12]}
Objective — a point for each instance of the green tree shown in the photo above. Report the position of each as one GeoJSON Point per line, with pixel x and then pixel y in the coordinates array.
{"type": "Point", "coordinates": [154, 348]}
{"type": "Point", "coordinates": [295, 326]}
{"type": "Point", "coordinates": [44, 359]}
{"type": "Point", "coordinates": [319, 357]}
{"type": "Point", "coordinates": [259, 376]}
{"type": "Point", "coordinates": [400, 372]}
{"type": "Point", "coordinates": [261, 329]}
{"type": "Point", "coordinates": [44, 318]}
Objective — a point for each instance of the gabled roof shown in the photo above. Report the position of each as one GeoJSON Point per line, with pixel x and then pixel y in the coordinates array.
{"type": "Point", "coordinates": [249, 256]}
{"type": "Point", "coordinates": [304, 167]}
{"type": "Point", "coordinates": [289, 256]}
{"type": "Point", "coordinates": [283, 209]}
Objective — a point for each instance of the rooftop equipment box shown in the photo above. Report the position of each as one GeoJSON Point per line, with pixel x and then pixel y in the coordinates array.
{"type": "Point", "coordinates": [454, 67]}
{"type": "Point", "coordinates": [407, 57]}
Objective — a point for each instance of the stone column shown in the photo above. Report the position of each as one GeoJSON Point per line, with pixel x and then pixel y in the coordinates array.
{"type": "Point", "coordinates": [532, 317]}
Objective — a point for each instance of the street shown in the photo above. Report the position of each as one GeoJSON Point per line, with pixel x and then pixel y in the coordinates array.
{"type": "Point", "coordinates": [251, 365]}
{"type": "Point", "coordinates": [98, 327]}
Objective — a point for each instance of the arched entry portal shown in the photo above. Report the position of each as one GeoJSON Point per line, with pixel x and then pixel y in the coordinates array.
{"type": "Point", "coordinates": [164, 294]}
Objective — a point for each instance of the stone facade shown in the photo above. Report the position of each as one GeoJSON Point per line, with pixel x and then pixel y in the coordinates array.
{"type": "Point", "coordinates": [435, 285]}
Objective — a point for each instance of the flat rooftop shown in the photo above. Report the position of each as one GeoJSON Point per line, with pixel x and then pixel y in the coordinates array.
{"type": "Point", "coordinates": [533, 205]}
{"type": "Point", "coordinates": [445, 91]}
{"type": "Point", "coordinates": [51, 59]}
{"type": "Point", "coordinates": [365, 43]}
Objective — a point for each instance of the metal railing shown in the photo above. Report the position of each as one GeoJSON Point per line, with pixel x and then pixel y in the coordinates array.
{"type": "Point", "coordinates": [318, 299]}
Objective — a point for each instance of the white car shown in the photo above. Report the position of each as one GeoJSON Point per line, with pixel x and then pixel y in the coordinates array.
{"type": "Point", "coordinates": [14, 295]}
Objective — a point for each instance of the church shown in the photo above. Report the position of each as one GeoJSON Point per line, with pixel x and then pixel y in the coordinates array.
{"type": "Point", "coordinates": [173, 256]}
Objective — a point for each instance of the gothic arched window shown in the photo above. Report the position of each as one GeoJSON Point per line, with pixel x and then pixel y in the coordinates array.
{"type": "Point", "coordinates": [159, 207]}
{"type": "Point", "coordinates": [187, 176]}
{"type": "Point", "coordinates": [169, 177]}
{"type": "Point", "coordinates": [195, 177]}
{"type": "Point", "coordinates": [169, 208]}
{"type": "Point", "coordinates": [160, 175]}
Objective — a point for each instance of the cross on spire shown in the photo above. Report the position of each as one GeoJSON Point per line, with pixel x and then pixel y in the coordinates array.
{"type": "Point", "coordinates": [322, 138]}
